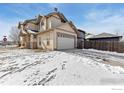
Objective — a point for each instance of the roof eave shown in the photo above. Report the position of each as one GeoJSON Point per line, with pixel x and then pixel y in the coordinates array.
{"type": "Point", "coordinates": [106, 37]}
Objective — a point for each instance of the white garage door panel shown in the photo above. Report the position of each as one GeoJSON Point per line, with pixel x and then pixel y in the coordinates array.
{"type": "Point", "coordinates": [65, 43]}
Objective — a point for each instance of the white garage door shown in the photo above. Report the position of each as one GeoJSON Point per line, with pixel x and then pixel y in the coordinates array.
{"type": "Point", "coordinates": [65, 43]}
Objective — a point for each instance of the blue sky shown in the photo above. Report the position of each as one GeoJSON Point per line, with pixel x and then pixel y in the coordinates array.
{"type": "Point", "coordinates": [93, 18]}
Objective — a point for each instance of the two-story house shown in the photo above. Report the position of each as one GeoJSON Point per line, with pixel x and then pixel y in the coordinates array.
{"type": "Point", "coordinates": [50, 32]}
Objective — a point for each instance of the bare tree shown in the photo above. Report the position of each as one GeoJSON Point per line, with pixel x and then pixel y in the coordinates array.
{"type": "Point", "coordinates": [14, 35]}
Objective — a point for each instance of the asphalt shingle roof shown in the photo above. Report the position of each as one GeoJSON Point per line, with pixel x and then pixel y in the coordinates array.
{"type": "Point", "coordinates": [104, 35]}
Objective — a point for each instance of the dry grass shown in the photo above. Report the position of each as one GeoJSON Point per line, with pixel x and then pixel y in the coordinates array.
{"type": "Point", "coordinates": [113, 63]}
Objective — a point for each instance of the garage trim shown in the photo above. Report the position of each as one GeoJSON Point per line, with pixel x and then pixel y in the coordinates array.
{"type": "Point", "coordinates": [59, 34]}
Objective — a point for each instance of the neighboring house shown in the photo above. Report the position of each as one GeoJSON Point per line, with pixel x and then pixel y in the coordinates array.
{"type": "Point", "coordinates": [88, 35]}
{"type": "Point", "coordinates": [80, 38]}
{"type": "Point", "coordinates": [50, 32]}
{"type": "Point", "coordinates": [122, 40]}
{"type": "Point", "coordinates": [106, 37]}
{"type": "Point", "coordinates": [1, 42]}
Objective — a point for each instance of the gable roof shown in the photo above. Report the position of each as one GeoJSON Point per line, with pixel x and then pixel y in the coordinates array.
{"type": "Point", "coordinates": [62, 17]}
{"type": "Point", "coordinates": [81, 30]}
{"type": "Point", "coordinates": [30, 21]}
{"type": "Point", "coordinates": [88, 35]}
{"type": "Point", "coordinates": [37, 20]}
{"type": "Point", "coordinates": [105, 35]}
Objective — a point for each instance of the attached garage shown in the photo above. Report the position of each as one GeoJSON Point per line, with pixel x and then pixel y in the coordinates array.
{"type": "Point", "coordinates": [65, 41]}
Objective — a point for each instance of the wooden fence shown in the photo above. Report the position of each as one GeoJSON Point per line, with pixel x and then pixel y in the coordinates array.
{"type": "Point", "coordinates": [106, 46]}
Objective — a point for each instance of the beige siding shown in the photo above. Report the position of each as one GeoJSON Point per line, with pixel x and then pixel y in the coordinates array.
{"type": "Point", "coordinates": [45, 41]}
{"type": "Point", "coordinates": [49, 23]}
{"type": "Point", "coordinates": [43, 24]}
{"type": "Point", "coordinates": [66, 29]}
{"type": "Point", "coordinates": [54, 22]}
{"type": "Point", "coordinates": [48, 40]}
{"type": "Point", "coordinates": [22, 40]}
{"type": "Point", "coordinates": [22, 28]}
{"type": "Point", "coordinates": [33, 41]}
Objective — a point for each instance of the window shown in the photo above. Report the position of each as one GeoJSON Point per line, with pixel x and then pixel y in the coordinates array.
{"type": "Point", "coordinates": [35, 36]}
{"type": "Point", "coordinates": [48, 42]}
{"type": "Point", "coordinates": [63, 21]}
{"type": "Point", "coordinates": [38, 26]}
{"type": "Point", "coordinates": [42, 23]}
{"type": "Point", "coordinates": [39, 40]}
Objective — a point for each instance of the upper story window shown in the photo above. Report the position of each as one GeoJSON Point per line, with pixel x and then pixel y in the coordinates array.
{"type": "Point", "coordinates": [48, 42]}
{"type": "Point", "coordinates": [42, 23]}
{"type": "Point", "coordinates": [63, 21]}
{"type": "Point", "coordinates": [39, 40]}
{"type": "Point", "coordinates": [35, 36]}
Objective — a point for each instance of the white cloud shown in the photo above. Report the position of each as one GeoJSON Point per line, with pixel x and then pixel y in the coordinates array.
{"type": "Point", "coordinates": [19, 9]}
{"type": "Point", "coordinates": [104, 21]}
{"type": "Point", "coordinates": [24, 10]}
{"type": "Point", "coordinates": [5, 27]}
{"type": "Point", "coordinates": [19, 12]}
{"type": "Point", "coordinates": [53, 5]}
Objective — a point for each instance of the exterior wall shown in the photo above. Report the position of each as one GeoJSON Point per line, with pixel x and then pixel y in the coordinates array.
{"type": "Point", "coordinates": [22, 27]}
{"type": "Point", "coordinates": [54, 21]}
{"type": "Point", "coordinates": [80, 39]}
{"type": "Point", "coordinates": [25, 41]}
{"type": "Point", "coordinates": [81, 35]}
{"type": "Point", "coordinates": [80, 43]}
{"type": "Point", "coordinates": [33, 42]}
{"type": "Point", "coordinates": [43, 24]}
{"type": "Point", "coordinates": [45, 41]}
{"type": "Point", "coordinates": [38, 27]}
{"type": "Point", "coordinates": [22, 41]}
{"type": "Point", "coordinates": [66, 28]}
{"type": "Point", "coordinates": [48, 23]}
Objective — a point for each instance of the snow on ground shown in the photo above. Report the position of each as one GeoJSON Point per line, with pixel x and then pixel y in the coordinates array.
{"type": "Point", "coordinates": [67, 67]}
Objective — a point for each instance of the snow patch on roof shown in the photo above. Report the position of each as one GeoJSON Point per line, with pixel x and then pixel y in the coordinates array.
{"type": "Point", "coordinates": [104, 35]}
{"type": "Point", "coordinates": [31, 32]}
